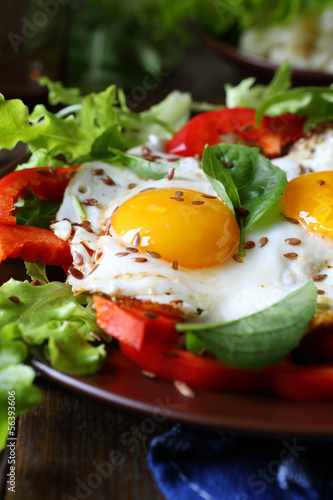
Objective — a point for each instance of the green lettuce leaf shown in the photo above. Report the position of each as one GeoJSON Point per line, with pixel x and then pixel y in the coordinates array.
{"type": "Point", "coordinates": [262, 338]}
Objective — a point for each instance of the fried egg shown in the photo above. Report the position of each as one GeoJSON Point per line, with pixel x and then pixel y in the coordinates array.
{"type": "Point", "coordinates": [174, 242]}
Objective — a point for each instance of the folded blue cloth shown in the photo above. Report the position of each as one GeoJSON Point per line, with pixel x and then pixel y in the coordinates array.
{"type": "Point", "coordinates": [191, 463]}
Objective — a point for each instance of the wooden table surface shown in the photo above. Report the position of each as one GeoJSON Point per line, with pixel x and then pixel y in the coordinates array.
{"type": "Point", "coordinates": [65, 447]}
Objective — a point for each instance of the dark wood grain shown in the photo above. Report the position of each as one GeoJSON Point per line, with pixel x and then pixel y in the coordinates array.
{"type": "Point", "coordinates": [72, 447]}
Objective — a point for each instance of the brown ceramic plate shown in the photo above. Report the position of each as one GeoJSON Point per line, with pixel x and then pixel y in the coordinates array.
{"type": "Point", "coordinates": [120, 382]}
{"type": "Point", "coordinates": [263, 68]}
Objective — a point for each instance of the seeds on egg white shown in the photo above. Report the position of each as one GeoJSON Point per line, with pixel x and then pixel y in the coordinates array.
{"type": "Point", "coordinates": [262, 242]}
{"type": "Point", "coordinates": [78, 259]}
{"type": "Point", "coordinates": [291, 255]}
{"type": "Point", "coordinates": [131, 185]}
{"type": "Point", "coordinates": [155, 255]}
{"type": "Point", "coordinates": [94, 268]}
{"type": "Point", "coordinates": [76, 273]}
{"type": "Point", "coordinates": [319, 277]}
{"type": "Point", "coordinates": [121, 254]}
{"type": "Point", "coordinates": [139, 259]}
{"type": "Point", "coordinates": [300, 170]}
{"type": "Point", "coordinates": [171, 173]}
{"type": "Point", "coordinates": [237, 258]}
{"type": "Point", "coordinates": [174, 265]}
{"type": "Point", "coordinates": [249, 244]}
{"type": "Point", "coordinates": [145, 150]}
{"type": "Point", "coordinates": [90, 201]}
{"type": "Point", "coordinates": [320, 292]}
{"type": "Point", "coordinates": [136, 240]}
{"type": "Point", "coordinates": [98, 171]}
{"type": "Point", "coordinates": [292, 220]}
{"type": "Point", "coordinates": [293, 241]}
{"type": "Point", "coordinates": [132, 249]}
{"type": "Point", "coordinates": [184, 389]}
{"type": "Point", "coordinates": [108, 181]}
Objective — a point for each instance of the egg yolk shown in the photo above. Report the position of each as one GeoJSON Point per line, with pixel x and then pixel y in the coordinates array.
{"type": "Point", "coordinates": [309, 199]}
{"type": "Point", "coordinates": [180, 226]}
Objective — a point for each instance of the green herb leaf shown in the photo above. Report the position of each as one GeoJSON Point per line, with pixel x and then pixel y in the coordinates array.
{"type": "Point", "coordinates": [253, 182]}
{"type": "Point", "coordinates": [31, 211]}
{"type": "Point", "coordinates": [143, 168]}
{"type": "Point", "coordinates": [36, 271]}
{"type": "Point", "coordinates": [260, 339]}
{"type": "Point", "coordinates": [58, 94]}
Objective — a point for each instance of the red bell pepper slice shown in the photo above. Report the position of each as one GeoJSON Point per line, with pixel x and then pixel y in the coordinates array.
{"type": "Point", "coordinates": [197, 372]}
{"type": "Point", "coordinates": [32, 244]}
{"type": "Point", "coordinates": [136, 326]}
{"type": "Point", "coordinates": [46, 184]}
{"type": "Point", "coordinates": [210, 127]}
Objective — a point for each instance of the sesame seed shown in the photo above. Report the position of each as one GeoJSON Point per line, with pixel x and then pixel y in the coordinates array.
{"type": "Point", "coordinates": [291, 255]}
{"type": "Point", "coordinates": [76, 273]}
{"type": "Point", "coordinates": [184, 389]}
{"type": "Point", "coordinates": [320, 182]}
{"type": "Point", "coordinates": [249, 244]}
{"type": "Point", "coordinates": [14, 299]}
{"type": "Point", "coordinates": [293, 241]}
{"type": "Point", "coordinates": [262, 242]}
{"type": "Point", "coordinates": [98, 171]}
{"type": "Point", "coordinates": [90, 201]}
{"type": "Point", "coordinates": [174, 265]}
{"type": "Point", "coordinates": [77, 258]}
{"type": "Point", "coordinates": [319, 277]}
{"type": "Point", "coordinates": [237, 258]}
{"type": "Point", "coordinates": [139, 259]}
{"type": "Point", "coordinates": [176, 198]}
{"type": "Point", "coordinates": [132, 249]}
{"type": "Point", "coordinates": [136, 240]}
{"type": "Point", "coordinates": [150, 314]}
{"type": "Point", "coordinates": [209, 196]}
{"type": "Point", "coordinates": [155, 255]}
{"type": "Point", "coordinates": [197, 202]}
{"type": "Point", "coordinates": [121, 254]}
{"type": "Point", "coordinates": [292, 220]}
{"type": "Point", "coordinates": [108, 181]}
{"type": "Point", "coordinates": [171, 172]}
{"type": "Point", "coordinates": [132, 185]}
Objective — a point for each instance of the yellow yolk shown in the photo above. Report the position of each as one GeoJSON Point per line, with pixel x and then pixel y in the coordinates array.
{"type": "Point", "coordinates": [309, 199]}
{"type": "Point", "coordinates": [180, 226]}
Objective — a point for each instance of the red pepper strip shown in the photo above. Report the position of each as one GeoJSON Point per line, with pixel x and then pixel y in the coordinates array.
{"type": "Point", "coordinates": [197, 372]}
{"type": "Point", "coordinates": [288, 380]}
{"type": "Point", "coordinates": [210, 127]}
{"type": "Point", "coordinates": [134, 326]}
{"type": "Point", "coordinates": [302, 383]}
{"type": "Point", "coordinates": [33, 243]}
{"type": "Point", "coordinates": [45, 184]}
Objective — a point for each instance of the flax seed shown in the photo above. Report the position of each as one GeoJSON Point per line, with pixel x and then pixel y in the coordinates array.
{"type": "Point", "coordinates": [319, 277]}
{"type": "Point", "coordinates": [227, 164]}
{"type": "Point", "coordinates": [292, 220]}
{"type": "Point", "coordinates": [171, 173]}
{"type": "Point", "coordinates": [90, 201]}
{"type": "Point", "coordinates": [139, 259]}
{"type": "Point", "coordinates": [108, 181]}
{"type": "Point", "coordinates": [291, 255]}
{"type": "Point", "coordinates": [249, 244]}
{"type": "Point", "coordinates": [197, 202]}
{"type": "Point", "coordinates": [132, 185]}
{"type": "Point", "coordinates": [209, 196]}
{"type": "Point", "coordinates": [77, 258]}
{"type": "Point", "coordinates": [320, 292]}
{"type": "Point", "coordinates": [14, 299]}
{"type": "Point", "coordinates": [136, 240]}
{"type": "Point", "coordinates": [174, 265]}
{"type": "Point", "coordinates": [98, 171]}
{"type": "Point", "coordinates": [293, 241]}
{"type": "Point", "coordinates": [237, 258]}
{"type": "Point", "coordinates": [262, 242]}
{"type": "Point", "coordinates": [241, 211]}
{"type": "Point", "coordinates": [76, 273]}
{"type": "Point", "coordinates": [320, 182]}
{"type": "Point", "coordinates": [150, 314]}
{"type": "Point", "coordinates": [121, 254]}
{"type": "Point", "coordinates": [132, 249]}
{"type": "Point", "coordinates": [176, 198]}
{"type": "Point", "coordinates": [179, 194]}
{"type": "Point", "coordinates": [155, 255]}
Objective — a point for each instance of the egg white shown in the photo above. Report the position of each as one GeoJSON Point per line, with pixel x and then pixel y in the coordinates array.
{"type": "Point", "coordinates": [222, 292]}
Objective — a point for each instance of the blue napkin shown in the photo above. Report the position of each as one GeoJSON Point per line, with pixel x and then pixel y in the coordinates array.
{"type": "Point", "coordinates": [191, 463]}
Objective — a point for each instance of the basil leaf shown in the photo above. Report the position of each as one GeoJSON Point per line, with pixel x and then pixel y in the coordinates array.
{"type": "Point", "coordinates": [110, 138]}
{"type": "Point", "coordinates": [262, 338]}
{"type": "Point", "coordinates": [143, 168]}
{"type": "Point", "coordinates": [258, 183]}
